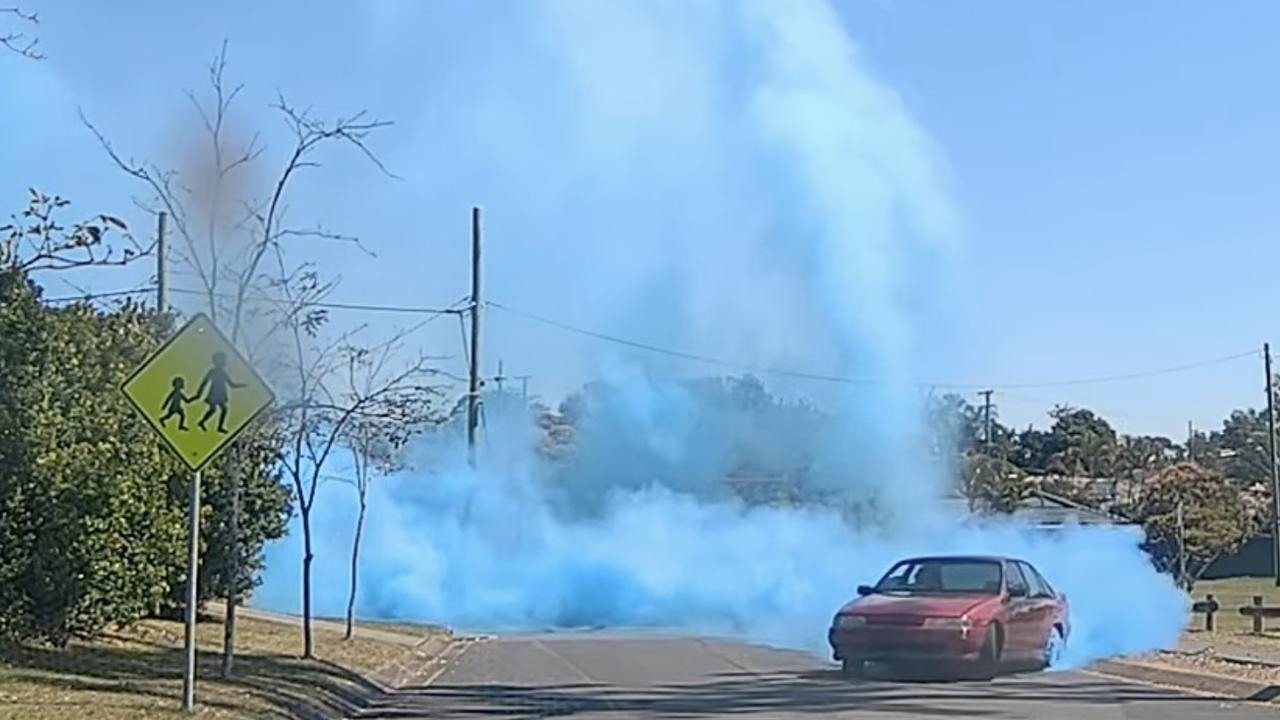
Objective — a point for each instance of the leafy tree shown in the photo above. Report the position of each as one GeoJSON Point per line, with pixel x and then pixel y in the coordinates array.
{"type": "Point", "coordinates": [994, 485]}
{"type": "Point", "coordinates": [91, 525]}
{"type": "Point", "coordinates": [1032, 449]}
{"type": "Point", "coordinates": [1082, 443]}
{"type": "Point", "coordinates": [1240, 450]}
{"type": "Point", "coordinates": [236, 554]}
{"type": "Point", "coordinates": [955, 425]}
{"type": "Point", "coordinates": [1215, 519]}
{"type": "Point", "coordinates": [36, 240]}
{"type": "Point", "coordinates": [959, 427]}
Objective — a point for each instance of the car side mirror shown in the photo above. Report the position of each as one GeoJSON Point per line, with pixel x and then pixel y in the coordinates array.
{"type": "Point", "coordinates": [864, 590]}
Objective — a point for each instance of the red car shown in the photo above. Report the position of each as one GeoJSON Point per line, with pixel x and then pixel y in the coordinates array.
{"type": "Point", "coordinates": [979, 611]}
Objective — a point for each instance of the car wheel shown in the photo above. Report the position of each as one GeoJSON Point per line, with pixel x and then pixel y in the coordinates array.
{"type": "Point", "coordinates": [988, 664]}
{"type": "Point", "coordinates": [1053, 647]}
{"type": "Point", "coordinates": [853, 668]}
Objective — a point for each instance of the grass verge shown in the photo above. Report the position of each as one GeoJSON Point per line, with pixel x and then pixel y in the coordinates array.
{"type": "Point", "coordinates": [136, 672]}
{"type": "Point", "coordinates": [1231, 594]}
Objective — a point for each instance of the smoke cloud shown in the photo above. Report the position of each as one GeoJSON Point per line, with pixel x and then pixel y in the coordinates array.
{"type": "Point", "coordinates": [740, 185]}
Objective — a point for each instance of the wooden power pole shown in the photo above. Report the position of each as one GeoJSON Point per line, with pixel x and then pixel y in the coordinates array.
{"type": "Point", "coordinates": [986, 418]}
{"type": "Point", "coordinates": [473, 386]}
{"type": "Point", "coordinates": [1275, 476]}
{"type": "Point", "coordinates": [162, 262]}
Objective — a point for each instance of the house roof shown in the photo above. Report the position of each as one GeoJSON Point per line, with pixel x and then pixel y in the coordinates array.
{"type": "Point", "coordinates": [1048, 510]}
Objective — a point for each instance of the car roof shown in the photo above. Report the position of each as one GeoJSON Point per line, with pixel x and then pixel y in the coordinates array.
{"type": "Point", "coordinates": [962, 558]}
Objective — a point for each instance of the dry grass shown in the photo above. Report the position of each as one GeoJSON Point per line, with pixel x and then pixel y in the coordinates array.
{"type": "Point", "coordinates": [419, 630]}
{"type": "Point", "coordinates": [137, 673]}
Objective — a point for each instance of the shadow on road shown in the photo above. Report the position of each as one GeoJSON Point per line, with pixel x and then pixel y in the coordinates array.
{"type": "Point", "coordinates": [819, 693]}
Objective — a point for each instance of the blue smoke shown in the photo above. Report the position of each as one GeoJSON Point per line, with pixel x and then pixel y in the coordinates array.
{"type": "Point", "coordinates": [730, 179]}
{"type": "Point", "coordinates": [498, 551]}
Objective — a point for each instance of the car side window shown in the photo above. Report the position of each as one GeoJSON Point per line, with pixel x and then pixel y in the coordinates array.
{"type": "Point", "coordinates": [1050, 592]}
{"type": "Point", "coordinates": [1034, 581]}
{"type": "Point", "coordinates": [1015, 580]}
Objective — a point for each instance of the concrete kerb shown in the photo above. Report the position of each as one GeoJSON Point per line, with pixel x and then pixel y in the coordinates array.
{"type": "Point", "coordinates": [1221, 686]}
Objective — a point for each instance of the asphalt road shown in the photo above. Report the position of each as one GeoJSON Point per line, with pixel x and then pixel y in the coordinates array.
{"type": "Point", "coordinates": [618, 676]}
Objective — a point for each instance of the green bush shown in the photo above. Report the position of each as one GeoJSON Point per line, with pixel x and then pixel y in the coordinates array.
{"type": "Point", "coordinates": [89, 529]}
{"type": "Point", "coordinates": [92, 505]}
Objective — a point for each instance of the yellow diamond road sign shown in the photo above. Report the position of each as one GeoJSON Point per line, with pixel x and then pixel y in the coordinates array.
{"type": "Point", "coordinates": [198, 392]}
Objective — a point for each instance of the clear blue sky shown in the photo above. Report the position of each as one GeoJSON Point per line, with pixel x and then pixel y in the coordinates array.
{"type": "Point", "coordinates": [1118, 165]}
{"type": "Point", "coordinates": [1113, 168]}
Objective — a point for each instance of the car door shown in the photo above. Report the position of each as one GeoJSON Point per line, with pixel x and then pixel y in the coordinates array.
{"type": "Point", "coordinates": [1020, 636]}
{"type": "Point", "coordinates": [1043, 602]}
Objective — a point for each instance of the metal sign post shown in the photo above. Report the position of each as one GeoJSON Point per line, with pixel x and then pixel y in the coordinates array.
{"type": "Point", "coordinates": [193, 565]}
{"type": "Point", "coordinates": [197, 366]}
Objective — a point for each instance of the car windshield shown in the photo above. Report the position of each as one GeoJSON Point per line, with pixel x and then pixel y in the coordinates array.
{"type": "Point", "coordinates": [937, 576]}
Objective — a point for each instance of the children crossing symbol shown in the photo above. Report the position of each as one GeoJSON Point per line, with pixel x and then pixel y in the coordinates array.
{"type": "Point", "coordinates": [228, 393]}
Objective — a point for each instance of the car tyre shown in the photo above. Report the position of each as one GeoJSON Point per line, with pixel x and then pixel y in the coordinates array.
{"type": "Point", "coordinates": [853, 668]}
{"type": "Point", "coordinates": [988, 663]}
{"type": "Point", "coordinates": [1054, 645]}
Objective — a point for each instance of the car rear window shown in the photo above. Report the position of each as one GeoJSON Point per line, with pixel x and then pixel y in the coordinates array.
{"type": "Point", "coordinates": [942, 576]}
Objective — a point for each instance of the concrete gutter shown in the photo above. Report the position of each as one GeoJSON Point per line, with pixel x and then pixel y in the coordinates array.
{"type": "Point", "coordinates": [1222, 686]}
{"type": "Point", "coordinates": [372, 633]}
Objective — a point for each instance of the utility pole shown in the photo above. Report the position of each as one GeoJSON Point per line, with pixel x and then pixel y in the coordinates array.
{"type": "Point", "coordinates": [986, 418]}
{"type": "Point", "coordinates": [1275, 477]}
{"type": "Point", "coordinates": [1191, 436]}
{"type": "Point", "coordinates": [1182, 544]}
{"type": "Point", "coordinates": [162, 260]}
{"type": "Point", "coordinates": [502, 377]}
{"type": "Point", "coordinates": [473, 389]}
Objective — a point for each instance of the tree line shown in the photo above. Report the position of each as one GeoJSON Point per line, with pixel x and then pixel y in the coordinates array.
{"type": "Point", "coordinates": [1196, 500]}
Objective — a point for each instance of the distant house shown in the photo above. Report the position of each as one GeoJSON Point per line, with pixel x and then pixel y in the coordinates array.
{"type": "Point", "coordinates": [1041, 509]}
{"type": "Point", "coordinates": [1045, 510]}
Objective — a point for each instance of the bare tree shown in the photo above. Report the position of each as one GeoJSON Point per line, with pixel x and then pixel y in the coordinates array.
{"type": "Point", "coordinates": [320, 417]}
{"type": "Point", "coordinates": [18, 42]}
{"type": "Point", "coordinates": [227, 231]}
{"type": "Point", "coordinates": [377, 440]}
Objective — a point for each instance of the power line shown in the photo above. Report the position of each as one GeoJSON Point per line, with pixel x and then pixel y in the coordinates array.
{"type": "Point", "coordinates": [676, 353]}
{"type": "Point", "coordinates": [97, 296]}
{"type": "Point", "coordinates": [369, 307]}
{"type": "Point", "coordinates": [696, 357]}
{"type": "Point", "coordinates": [408, 309]}
{"type": "Point", "coordinates": [861, 381]}
{"type": "Point", "coordinates": [1134, 375]}
{"type": "Point", "coordinates": [1025, 399]}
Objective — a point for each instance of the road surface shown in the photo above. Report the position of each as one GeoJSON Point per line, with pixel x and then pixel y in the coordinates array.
{"type": "Point", "coordinates": [589, 676]}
